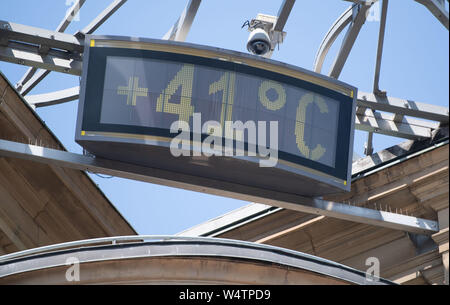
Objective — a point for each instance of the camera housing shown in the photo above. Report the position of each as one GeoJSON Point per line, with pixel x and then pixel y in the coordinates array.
{"type": "Point", "coordinates": [258, 42]}
{"type": "Point", "coordinates": [263, 37]}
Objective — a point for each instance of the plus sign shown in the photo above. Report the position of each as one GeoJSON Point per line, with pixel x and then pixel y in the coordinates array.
{"type": "Point", "coordinates": [132, 91]}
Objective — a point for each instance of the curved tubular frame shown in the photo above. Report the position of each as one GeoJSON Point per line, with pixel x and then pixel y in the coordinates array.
{"type": "Point", "coordinates": [358, 19]}
{"type": "Point", "coordinates": [336, 29]}
{"type": "Point", "coordinates": [54, 98]}
{"type": "Point", "coordinates": [143, 238]}
{"type": "Point", "coordinates": [180, 246]}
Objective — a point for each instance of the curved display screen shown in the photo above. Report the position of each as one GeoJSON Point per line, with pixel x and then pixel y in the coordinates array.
{"type": "Point", "coordinates": [155, 93]}
{"type": "Point", "coordinates": [136, 91]}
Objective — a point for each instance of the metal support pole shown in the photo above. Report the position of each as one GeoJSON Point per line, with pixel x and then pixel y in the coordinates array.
{"type": "Point", "coordinates": [276, 33]}
{"type": "Point", "coordinates": [283, 14]}
{"type": "Point", "coordinates": [368, 147]}
{"type": "Point", "coordinates": [102, 17]}
{"type": "Point", "coordinates": [376, 78]}
{"type": "Point", "coordinates": [359, 18]}
{"type": "Point", "coordinates": [181, 28]}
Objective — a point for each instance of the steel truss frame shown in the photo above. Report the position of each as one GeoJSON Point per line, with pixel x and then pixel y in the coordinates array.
{"type": "Point", "coordinates": [56, 51]}
{"type": "Point", "coordinates": [45, 51]}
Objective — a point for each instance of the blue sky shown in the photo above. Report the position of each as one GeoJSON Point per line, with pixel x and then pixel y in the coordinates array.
{"type": "Point", "coordinates": [415, 66]}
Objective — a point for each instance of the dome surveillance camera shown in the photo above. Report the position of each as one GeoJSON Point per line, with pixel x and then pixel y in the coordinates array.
{"type": "Point", "coordinates": [258, 42]}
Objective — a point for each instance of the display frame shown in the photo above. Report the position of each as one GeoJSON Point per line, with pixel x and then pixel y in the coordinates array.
{"type": "Point", "coordinates": [98, 48]}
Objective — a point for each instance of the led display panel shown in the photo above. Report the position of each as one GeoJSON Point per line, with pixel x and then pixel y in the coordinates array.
{"type": "Point", "coordinates": [135, 92]}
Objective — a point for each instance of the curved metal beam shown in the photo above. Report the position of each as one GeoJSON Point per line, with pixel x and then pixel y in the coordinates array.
{"type": "Point", "coordinates": [355, 16]}
{"type": "Point", "coordinates": [337, 27]}
{"type": "Point", "coordinates": [54, 98]}
{"type": "Point", "coordinates": [195, 248]}
{"type": "Point", "coordinates": [358, 19]}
